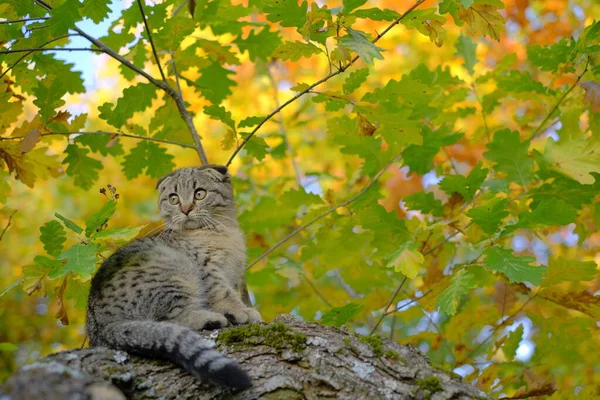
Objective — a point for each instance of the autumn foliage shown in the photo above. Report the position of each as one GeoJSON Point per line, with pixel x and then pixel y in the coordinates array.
{"type": "Point", "coordinates": [428, 171]}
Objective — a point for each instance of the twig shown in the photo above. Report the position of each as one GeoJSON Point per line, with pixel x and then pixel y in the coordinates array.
{"type": "Point", "coordinates": [119, 134]}
{"type": "Point", "coordinates": [389, 304]}
{"type": "Point", "coordinates": [326, 213]}
{"type": "Point", "coordinates": [437, 246]}
{"type": "Point", "coordinates": [30, 50]}
{"type": "Point", "coordinates": [13, 21]}
{"type": "Point", "coordinates": [540, 128]}
{"type": "Point", "coordinates": [487, 128]}
{"type": "Point", "coordinates": [317, 83]}
{"type": "Point", "coordinates": [317, 292]}
{"type": "Point", "coordinates": [151, 41]}
{"type": "Point", "coordinates": [8, 224]}
{"type": "Point", "coordinates": [409, 303]}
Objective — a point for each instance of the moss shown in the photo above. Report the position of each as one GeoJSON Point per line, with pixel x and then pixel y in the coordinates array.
{"type": "Point", "coordinates": [277, 336]}
{"type": "Point", "coordinates": [284, 394]}
{"type": "Point", "coordinates": [392, 355]}
{"type": "Point", "coordinates": [375, 342]}
{"type": "Point", "coordinates": [430, 384]}
{"type": "Point", "coordinates": [447, 370]}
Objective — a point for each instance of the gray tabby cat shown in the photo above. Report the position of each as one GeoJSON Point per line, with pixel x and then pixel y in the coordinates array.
{"type": "Point", "coordinates": [152, 295]}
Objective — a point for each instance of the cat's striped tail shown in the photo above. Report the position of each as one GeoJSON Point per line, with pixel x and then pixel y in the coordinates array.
{"type": "Point", "coordinates": [178, 344]}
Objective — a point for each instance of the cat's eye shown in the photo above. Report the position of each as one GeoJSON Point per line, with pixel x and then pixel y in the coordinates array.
{"type": "Point", "coordinates": [200, 194]}
{"type": "Point", "coordinates": [173, 199]}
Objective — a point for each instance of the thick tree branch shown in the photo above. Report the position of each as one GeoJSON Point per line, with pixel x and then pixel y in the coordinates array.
{"type": "Point", "coordinates": [150, 40]}
{"type": "Point", "coordinates": [326, 213]}
{"type": "Point", "coordinates": [317, 83]}
{"type": "Point", "coordinates": [116, 134]}
{"type": "Point", "coordinates": [540, 128]}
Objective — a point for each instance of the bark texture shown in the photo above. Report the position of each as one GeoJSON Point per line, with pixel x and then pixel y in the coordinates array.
{"type": "Point", "coordinates": [287, 359]}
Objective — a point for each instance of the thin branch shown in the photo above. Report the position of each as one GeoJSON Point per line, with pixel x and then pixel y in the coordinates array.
{"type": "Point", "coordinates": [483, 115]}
{"type": "Point", "coordinates": [119, 134]}
{"type": "Point", "coordinates": [13, 21]}
{"type": "Point", "coordinates": [317, 83]}
{"type": "Point", "coordinates": [317, 292]}
{"type": "Point", "coordinates": [437, 246]}
{"type": "Point", "coordinates": [389, 304]}
{"type": "Point", "coordinates": [30, 50]}
{"type": "Point", "coordinates": [414, 301]}
{"type": "Point", "coordinates": [8, 224]}
{"type": "Point", "coordinates": [326, 213]}
{"type": "Point", "coordinates": [150, 40]}
{"type": "Point", "coordinates": [540, 128]}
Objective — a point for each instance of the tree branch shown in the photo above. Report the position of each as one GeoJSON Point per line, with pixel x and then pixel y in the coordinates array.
{"type": "Point", "coordinates": [389, 304]}
{"type": "Point", "coordinates": [151, 41]}
{"type": "Point", "coordinates": [326, 213]}
{"type": "Point", "coordinates": [13, 21]}
{"type": "Point", "coordinates": [540, 128]}
{"type": "Point", "coordinates": [317, 83]}
{"type": "Point", "coordinates": [8, 224]}
{"type": "Point", "coordinates": [31, 50]}
{"type": "Point", "coordinates": [119, 134]}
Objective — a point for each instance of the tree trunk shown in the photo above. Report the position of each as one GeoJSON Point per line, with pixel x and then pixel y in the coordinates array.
{"type": "Point", "coordinates": [287, 359]}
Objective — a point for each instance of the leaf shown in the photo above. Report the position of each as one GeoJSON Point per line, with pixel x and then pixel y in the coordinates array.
{"type": "Point", "coordinates": [81, 261]}
{"type": "Point", "coordinates": [82, 168]}
{"type": "Point", "coordinates": [576, 157]}
{"type": "Point", "coordinates": [219, 113]}
{"type": "Point", "coordinates": [510, 156]}
{"type": "Point", "coordinates": [96, 10]}
{"type": "Point", "coordinates": [34, 274]}
{"type": "Point", "coordinates": [407, 260]}
{"type": "Point", "coordinates": [551, 58]}
{"type": "Point", "coordinates": [61, 314]}
{"type": "Point", "coordinates": [419, 158]}
{"type": "Point", "coordinates": [257, 148]}
{"type": "Point", "coordinates": [95, 223]}
{"type": "Point", "coordinates": [483, 19]}
{"type": "Point", "coordinates": [516, 269]}
{"type": "Point", "coordinates": [424, 202]}
{"type": "Point", "coordinates": [63, 17]}
{"type": "Point", "coordinates": [259, 46]}
{"type": "Point", "coordinates": [9, 347]}
{"type": "Point", "coordinates": [465, 186]}
{"type": "Point", "coordinates": [357, 42]}
{"type": "Point", "coordinates": [461, 284]}
{"type": "Point", "coordinates": [53, 235]}
{"type": "Point", "coordinates": [465, 48]}
{"type": "Point", "coordinates": [30, 140]}
{"type": "Point", "coordinates": [489, 216]}
{"type": "Point", "coordinates": [428, 23]}
{"type": "Point", "coordinates": [521, 82]}
{"type": "Point", "coordinates": [135, 98]}
{"type": "Point", "coordinates": [287, 12]}
{"type": "Point", "coordinates": [147, 156]}
{"type": "Point", "coordinates": [78, 291]}
{"type": "Point", "coordinates": [69, 224]}
{"type": "Point", "coordinates": [592, 95]}
{"type": "Point", "coordinates": [48, 98]}
{"type": "Point", "coordinates": [350, 5]}
{"type": "Point", "coordinates": [294, 51]}
{"type": "Point", "coordinates": [547, 213]}
{"type": "Point", "coordinates": [214, 83]}
{"type": "Point", "coordinates": [338, 316]}
{"type": "Point", "coordinates": [118, 234]}
{"type": "Point", "coordinates": [377, 14]}
{"type": "Point", "coordinates": [250, 121]}
{"type": "Point", "coordinates": [355, 80]}
{"type": "Point", "coordinates": [512, 344]}
{"type": "Point", "coordinates": [561, 270]}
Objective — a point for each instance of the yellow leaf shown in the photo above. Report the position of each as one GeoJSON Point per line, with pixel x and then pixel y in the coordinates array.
{"type": "Point", "coordinates": [576, 157]}
{"type": "Point", "coordinates": [229, 140]}
{"type": "Point", "coordinates": [408, 262]}
{"type": "Point", "coordinates": [483, 19]}
{"type": "Point", "coordinates": [592, 95]}
{"type": "Point", "coordinates": [17, 162]}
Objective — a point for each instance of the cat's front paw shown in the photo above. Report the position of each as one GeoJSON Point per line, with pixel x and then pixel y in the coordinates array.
{"type": "Point", "coordinates": [209, 320]}
{"type": "Point", "coordinates": [243, 316]}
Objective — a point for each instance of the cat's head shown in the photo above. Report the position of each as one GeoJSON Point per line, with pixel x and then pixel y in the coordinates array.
{"type": "Point", "coordinates": [197, 197]}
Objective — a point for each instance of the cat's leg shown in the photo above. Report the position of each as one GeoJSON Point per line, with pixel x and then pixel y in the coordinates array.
{"type": "Point", "coordinates": [226, 300]}
{"type": "Point", "coordinates": [200, 319]}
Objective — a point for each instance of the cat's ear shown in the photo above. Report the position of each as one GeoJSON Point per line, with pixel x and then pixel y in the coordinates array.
{"type": "Point", "coordinates": [164, 178]}
{"type": "Point", "coordinates": [222, 173]}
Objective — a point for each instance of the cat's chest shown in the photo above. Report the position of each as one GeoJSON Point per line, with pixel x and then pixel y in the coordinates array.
{"type": "Point", "coordinates": [225, 250]}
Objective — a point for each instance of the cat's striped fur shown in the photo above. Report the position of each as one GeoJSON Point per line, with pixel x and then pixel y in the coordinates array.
{"type": "Point", "coordinates": [152, 295]}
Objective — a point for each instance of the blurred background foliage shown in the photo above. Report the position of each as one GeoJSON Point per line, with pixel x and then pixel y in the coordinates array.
{"type": "Point", "coordinates": [492, 273]}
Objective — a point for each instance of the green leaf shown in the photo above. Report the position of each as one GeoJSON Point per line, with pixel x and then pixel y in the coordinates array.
{"type": "Point", "coordinates": [547, 213]}
{"type": "Point", "coordinates": [521, 82]}
{"type": "Point", "coordinates": [359, 43]}
{"type": "Point", "coordinates": [465, 186]}
{"type": "Point", "coordinates": [96, 10]}
{"type": "Point", "coordinates": [461, 284]}
{"type": "Point", "coordinates": [257, 148]}
{"type": "Point", "coordinates": [295, 50]}
{"type": "Point", "coordinates": [135, 98]}
{"type": "Point", "coordinates": [287, 12]}
{"type": "Point", "coordinates": [9, 347]}
{"type": "Point", "coordinates": [103, 144]}
{"type": "Point", "coordinates": [259, 46]}
{"type": "Point", "coordinates": [97, 220]}
{"type": "Point", "coordinates": [465, 48]}
{"type": "Point", "coordinates": [63, 17]}
{"type": "Point", "coordinates": [82, 168]}
{"type": "Point", "coordinates": [147, 156]}
{"type": "Point", "coordinates": [489, 215]}
{"type": "Point", "coordinates": [516, 269]}
{"type": "Point", "coordinates": [338, 316]}
{"type": "Point", "coordinates": [576, 157]}
{"type": "Point", "coordinates": [424, 202]}
{"type": "Point", "coordinates": [551, 58]}
{"type": "Point", "coordinates": [78, 292]}
{"type": "Point", "coordinates": [214, 82]}
{"type": "Point", "coordinates": [510, 156]}
{"type": "Point", "coordinates": [512, 344]}
{"type": "Point", "coordinates": [81, 261]}
{"type": "Point", "coordinates": [407, 260]}
{"type": "Point", "coordinates": [350, 5]}
{"type": "Point", "coordinates": [48, 98]}
{"type": "Point", "coordinates": [419, 158]}
{"type": "Point", "coordinates": [377, 14]}
{"type": "Point", "coordinates": [355, 79]}
{"type": "Point", "coordinates": [33, 274]}
{"type": "Point", "coordinates": [53, 235]}
{"type": "Point", "coordinates": [69, 224]}
{"type": "Point", "coordinates": [561, 270]}
{"type": "Point", "coordinates": [250, 121]}
{"type": "Point", "coordinates": [219, 113]}
{"type": "Point", "coordinates": [118, 234]}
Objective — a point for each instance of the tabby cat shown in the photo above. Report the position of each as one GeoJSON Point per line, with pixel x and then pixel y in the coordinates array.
{"type": "Point", "coordinates": [152, 295]}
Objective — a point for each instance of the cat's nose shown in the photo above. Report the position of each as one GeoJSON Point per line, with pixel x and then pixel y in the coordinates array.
{"type": "Point", "coordinates": [186, 208]}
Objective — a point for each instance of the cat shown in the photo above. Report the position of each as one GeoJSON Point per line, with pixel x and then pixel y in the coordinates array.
{"type": "Point", "coordinates": [154, 294]}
